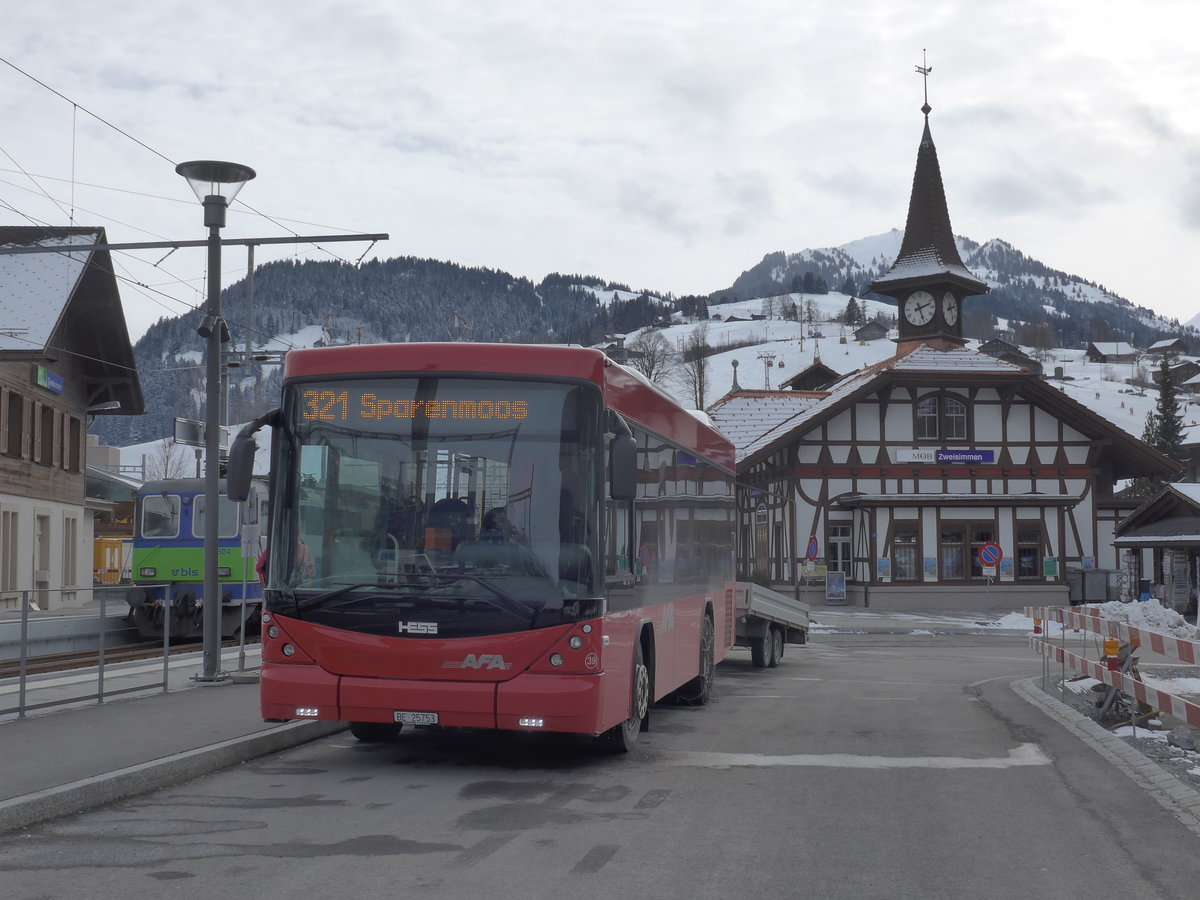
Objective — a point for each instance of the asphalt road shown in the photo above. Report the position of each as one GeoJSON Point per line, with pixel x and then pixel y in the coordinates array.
{"type": "Point", "coordinates": [865, 766]}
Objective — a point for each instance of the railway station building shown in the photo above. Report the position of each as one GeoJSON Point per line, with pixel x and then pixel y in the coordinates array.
{"type": "Point", "coordinates": [65, 357]}
{"type": "Point", "coordinates": [882, 488]}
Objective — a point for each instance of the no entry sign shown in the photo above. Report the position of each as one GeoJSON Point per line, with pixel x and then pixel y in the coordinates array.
{"type": "Point", "coordinates": [990, 554]}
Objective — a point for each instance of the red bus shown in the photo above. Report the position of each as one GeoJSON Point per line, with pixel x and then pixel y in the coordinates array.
{"type": "Point", "coordinates": [493, 536]}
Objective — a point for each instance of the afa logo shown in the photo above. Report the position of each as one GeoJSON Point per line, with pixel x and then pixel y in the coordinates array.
{"type": "Point", "coordinates": [482, 661]}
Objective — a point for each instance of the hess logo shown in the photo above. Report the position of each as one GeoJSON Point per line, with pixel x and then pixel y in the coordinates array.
{"type": "Point", "coordinates": [418, 627]}
{"type": "Point", "coordinates": [482, 661]}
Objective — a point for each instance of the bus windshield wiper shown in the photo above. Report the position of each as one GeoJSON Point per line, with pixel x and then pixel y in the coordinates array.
{"type": "Point", "coordinates": [429, 587]}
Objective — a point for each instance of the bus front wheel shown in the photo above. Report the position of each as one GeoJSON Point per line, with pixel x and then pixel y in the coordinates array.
{"type": "Point", "coordinates": [623, 738]}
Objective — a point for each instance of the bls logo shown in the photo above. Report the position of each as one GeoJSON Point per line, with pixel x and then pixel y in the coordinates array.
{"type": "Point", "coordinates": [482, 661]}
{"type": "Point", "coordinates": [418, 627]}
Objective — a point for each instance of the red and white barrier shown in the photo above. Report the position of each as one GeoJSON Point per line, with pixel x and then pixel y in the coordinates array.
{"type": "Point", "coordinates": [1088, 619]}
{"type": "Point", "coordinates": [1167, 703]}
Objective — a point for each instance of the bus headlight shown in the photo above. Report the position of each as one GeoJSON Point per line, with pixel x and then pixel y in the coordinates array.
{"type": "Point", "coordinates": [575, 642]}
{"type": "Point", "coordinates": [556, 659]}
{"type": "Point", "coordinates": [288, 650]}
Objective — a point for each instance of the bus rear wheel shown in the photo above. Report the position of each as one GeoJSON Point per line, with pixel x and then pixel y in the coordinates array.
{"type": "Point", "coordinates": [623, 738]}
{"type": "Point", "coordinates": [375, 732]}
{"type": "Point", "coordinates": [698, 691]}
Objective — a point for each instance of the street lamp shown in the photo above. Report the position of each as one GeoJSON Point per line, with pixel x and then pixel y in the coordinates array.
{"type": "Point", "coordinates": [216, 184]}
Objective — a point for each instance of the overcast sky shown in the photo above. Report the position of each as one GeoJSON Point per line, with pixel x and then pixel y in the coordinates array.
{"type": "Point", "coordinates": [667, 145]}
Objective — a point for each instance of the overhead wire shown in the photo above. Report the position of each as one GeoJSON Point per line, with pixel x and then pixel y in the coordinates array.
{"type": "Point", "coordinates": [77, 107]}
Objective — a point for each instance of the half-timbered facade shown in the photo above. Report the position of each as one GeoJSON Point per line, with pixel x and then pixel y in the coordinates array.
{"type": "Point", "coordinates": [903, 471]}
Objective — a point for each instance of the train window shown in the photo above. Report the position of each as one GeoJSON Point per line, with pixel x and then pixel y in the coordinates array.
{"type": "Point", "coordinates": [227, 525]}
{"type": "Point", "coordinates": [160, 515]}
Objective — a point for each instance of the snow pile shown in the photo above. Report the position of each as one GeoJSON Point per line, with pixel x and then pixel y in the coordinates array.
{"type": "Point", "coordinates": [1148, 615]}
{"type": "Point", "coordinates": [1016, 621]}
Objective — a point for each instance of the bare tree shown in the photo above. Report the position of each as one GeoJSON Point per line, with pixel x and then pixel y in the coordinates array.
{"type": "Point", "coordinates": [694, 352]}
{"type": "Point", "coordinates": [650, 353]}
{"type": "Point", "coordinates": [169, 460]}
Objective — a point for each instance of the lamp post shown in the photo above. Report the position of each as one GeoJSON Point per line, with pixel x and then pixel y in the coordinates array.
{"type": "Point", "coordinates": [216, 184]}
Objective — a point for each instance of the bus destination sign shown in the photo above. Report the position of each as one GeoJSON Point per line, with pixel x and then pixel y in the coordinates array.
{"type": "Point", "coordinates": [341, 406]}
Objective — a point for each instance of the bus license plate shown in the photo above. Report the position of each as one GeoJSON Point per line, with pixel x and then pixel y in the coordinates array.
{"type": "Point", "coordinates": [416, 718]}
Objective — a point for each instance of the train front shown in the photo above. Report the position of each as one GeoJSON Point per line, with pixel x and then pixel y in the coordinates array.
{"type": "Point", "coordinates": [434, 553]}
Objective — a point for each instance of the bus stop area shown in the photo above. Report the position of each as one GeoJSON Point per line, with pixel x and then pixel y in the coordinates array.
{"type": "Point", "coordinates": [68, 759]}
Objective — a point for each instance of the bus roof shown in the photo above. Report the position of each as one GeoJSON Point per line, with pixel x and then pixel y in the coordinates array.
{"type": "Point", "coordinates": [624, 390]}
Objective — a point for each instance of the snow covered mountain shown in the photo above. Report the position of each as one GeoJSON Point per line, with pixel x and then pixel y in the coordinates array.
{"type": "Point", "coordinates": [409, 299]}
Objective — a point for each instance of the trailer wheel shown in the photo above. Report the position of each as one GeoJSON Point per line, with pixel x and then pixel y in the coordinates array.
{"type": "Point", "coordinates": [776, 646]}
{"type": "Point", "coordinates": [698, 691]}
{"type": "Point", "coordinates": [762, 649]}
{"type": "Point", "coordinates": [623, 738]}
{"type": "Point", "coordinates": [375, 732]}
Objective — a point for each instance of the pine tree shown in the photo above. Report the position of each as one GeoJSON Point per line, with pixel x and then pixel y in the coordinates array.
{"type": "Point", "coordinates": [1168, 419]}
{"type": "Point", "coordinates": [850, 316]}
{"type": "Point", "coordinates": [1164, 429]}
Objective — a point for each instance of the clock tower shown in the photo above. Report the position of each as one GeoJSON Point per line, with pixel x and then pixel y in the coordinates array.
{"type": "Point", "coordinates": [928, 279]}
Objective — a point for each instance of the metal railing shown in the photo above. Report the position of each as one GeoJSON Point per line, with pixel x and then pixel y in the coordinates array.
{"type": "Point", "coordinates": [101, 693]}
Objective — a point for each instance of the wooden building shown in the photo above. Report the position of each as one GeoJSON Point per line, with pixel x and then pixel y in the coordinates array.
{"type": "Point", "coordinates": [65, 356]}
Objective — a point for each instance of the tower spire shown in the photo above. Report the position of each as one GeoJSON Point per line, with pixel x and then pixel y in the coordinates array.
{"type": "Point", "coordinates": [923, 70]}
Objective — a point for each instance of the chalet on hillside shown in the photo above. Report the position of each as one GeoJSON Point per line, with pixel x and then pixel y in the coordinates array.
{"type": "Point", "coordinates": [872, 331]}
{"type": "Point", "coordinates": [1111, 352]}
{"type": "Point", "coordinates": [813, 378]}
{"type": "Point", "coordinates": [1173, 346]}
{"type": "Point", "coordinates": [1001, 349]}
{"type": "Point", "coordinates": [1182, 372]}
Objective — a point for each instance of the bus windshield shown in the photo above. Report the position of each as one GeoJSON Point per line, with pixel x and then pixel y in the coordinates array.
{"type": "Point", "coordinates": [445, 506]}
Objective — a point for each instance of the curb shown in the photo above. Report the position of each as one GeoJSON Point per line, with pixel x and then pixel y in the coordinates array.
{"type": "Point", "coordinates": [1178, 798]}
{"type": "Point", "coordinates": [132, 781]}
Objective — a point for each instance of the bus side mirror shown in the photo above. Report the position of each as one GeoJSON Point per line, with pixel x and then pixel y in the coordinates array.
{"type": "Point", "coordinates": [241, 458]}
{"type": "Point", "coordinates": [622, 466]}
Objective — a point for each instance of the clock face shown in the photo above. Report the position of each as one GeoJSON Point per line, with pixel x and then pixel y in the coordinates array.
{"type": "Point", "coordinates": [949, 308]}
{"type": "Point", "coordinates": [919, 307]}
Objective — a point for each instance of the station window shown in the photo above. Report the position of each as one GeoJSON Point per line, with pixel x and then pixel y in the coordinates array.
{"type": "Point", "coordinates": [927, 418]}
{"type": "Point", "coordinates": [16, 424]}
{"type": "Point", "coordinates": [837, 545]}
{"type": "Point", "coordinates": [46, 436]}
{"type": "Point", "coordinates": [941, 416]}
{"type": "Point", "coordinates": [905, 555]}
{"type": "Point", "coordinates": [1029, 550]}
{"type": "Point", "coordinates": [953, 553]}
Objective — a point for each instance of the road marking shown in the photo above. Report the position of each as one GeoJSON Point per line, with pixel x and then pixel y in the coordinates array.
{"type": "Point", "coordinates": [1024, 755]}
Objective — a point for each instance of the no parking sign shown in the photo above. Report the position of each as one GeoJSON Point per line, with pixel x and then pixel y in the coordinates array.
{"type": "Point", "coordinates": [990, 555]}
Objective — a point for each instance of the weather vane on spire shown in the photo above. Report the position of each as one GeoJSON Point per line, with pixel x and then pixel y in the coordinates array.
{"type": "Point", "coordinates": [923, 71]}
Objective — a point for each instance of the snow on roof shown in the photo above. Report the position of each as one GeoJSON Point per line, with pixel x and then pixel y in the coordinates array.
{"type": "Point", "coordinates": [745, 415]}
{"type": "Point", "coordinates": [925, 263]}
{"type": "Point", "coordinates": [1164, 345]}
{"type": "Point", "coordinates": [1189, 490]}
{"type": "Point", "coordinates": [34, 288]}
{"type": "Point", "coordinates": [1114, 348]}
{"type": "Point", "coordinates": [752, 427]}
{"type": "Point", "coordinates": [926, 359]}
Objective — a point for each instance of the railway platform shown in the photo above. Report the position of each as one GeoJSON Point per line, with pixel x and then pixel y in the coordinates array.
{"type": "Point", "coordinates": [61, 762]}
